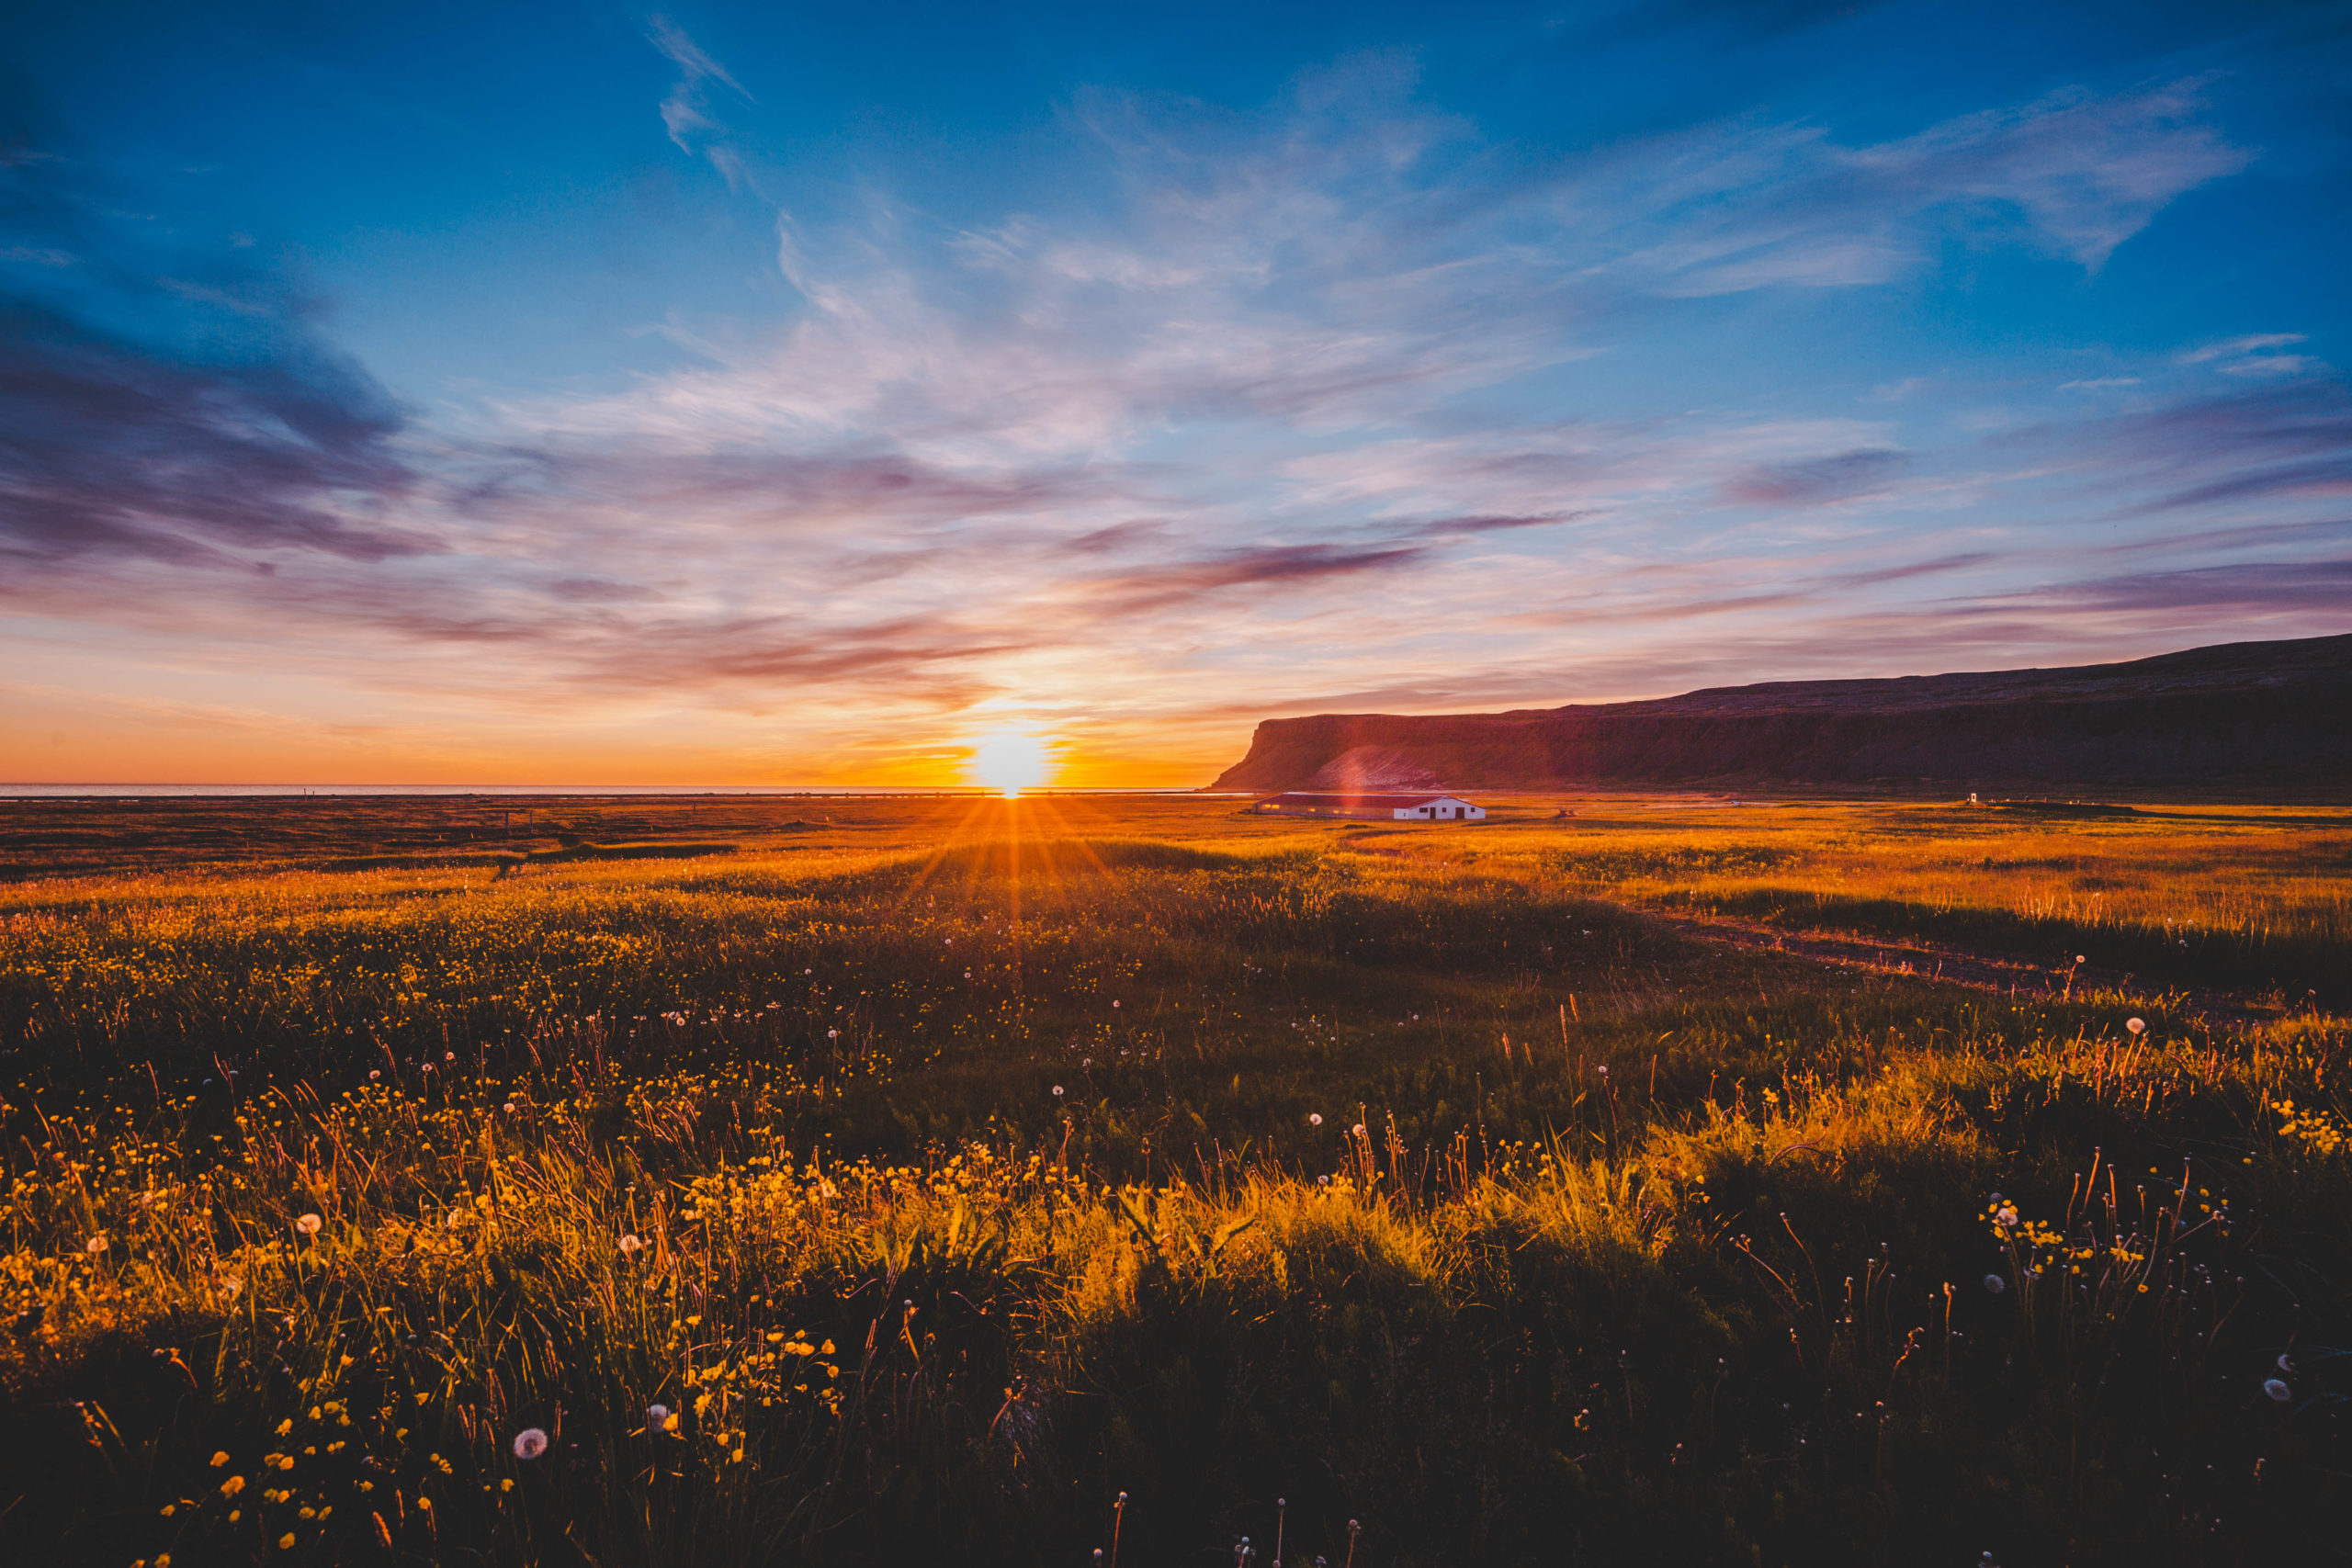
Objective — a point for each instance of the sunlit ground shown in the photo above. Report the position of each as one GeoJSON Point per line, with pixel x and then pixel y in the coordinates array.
{"type": "Point", "coordinates": [1419, 1176]}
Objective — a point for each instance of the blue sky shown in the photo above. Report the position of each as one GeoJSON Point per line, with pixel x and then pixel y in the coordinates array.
{"type": "Point", "coordinates": [793, 395]}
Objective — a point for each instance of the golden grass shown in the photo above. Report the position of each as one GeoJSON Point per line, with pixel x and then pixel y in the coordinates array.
{"type": "Point", "coordinates": [1415, 1178]}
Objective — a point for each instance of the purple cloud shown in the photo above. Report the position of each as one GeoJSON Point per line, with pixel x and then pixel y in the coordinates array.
{"type": "Point", "coordinates": [1819, 479]}
{"type": "Point", "coordinates": [110, 448]}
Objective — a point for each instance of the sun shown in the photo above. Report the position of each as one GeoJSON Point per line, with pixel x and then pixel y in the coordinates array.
{"type": "Point", "coordinates": [1011, 761]}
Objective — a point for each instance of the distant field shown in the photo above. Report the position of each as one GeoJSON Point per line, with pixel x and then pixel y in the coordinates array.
{"type": "Point", "coordinates": [944, 1169]}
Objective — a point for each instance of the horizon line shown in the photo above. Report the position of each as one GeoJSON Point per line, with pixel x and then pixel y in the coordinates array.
{"type": "Point", "coordinates": [34, 789]}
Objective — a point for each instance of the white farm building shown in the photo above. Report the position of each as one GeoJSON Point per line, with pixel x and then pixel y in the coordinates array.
{"type": "Point", "coordinates": [1384, 807]}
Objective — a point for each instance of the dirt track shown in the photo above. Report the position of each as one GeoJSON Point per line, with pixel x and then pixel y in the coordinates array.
{"type": "Point", "coordinates": [1999, 974]}
{"type": "Point", "coordinates": [1950, 965]}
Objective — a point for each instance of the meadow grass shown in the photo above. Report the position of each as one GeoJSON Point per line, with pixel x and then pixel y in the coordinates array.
{"type": "Point", "coordinates": [2258, 897]}
{"type": "Point", "coordinates": [911, 1188]}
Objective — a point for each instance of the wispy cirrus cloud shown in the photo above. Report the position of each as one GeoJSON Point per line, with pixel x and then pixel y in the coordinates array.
{"type": "Point", "coordinates": [2087, 172]}
{"type": "Point", "coordinates": [1838, 477]}
{"type": "Point", "coordinates": [2262, 589]}
{"type": "Point", "coordinates": [2256, 354]}
{"type": "Point", "coordinates": [2237, 349]}
{"type": "Point", "coordinates": [686, 112]}
{"type": "Point", "coordinates": [2191, 453]}
{"type": "Point", "coordinates": [1734, 209]}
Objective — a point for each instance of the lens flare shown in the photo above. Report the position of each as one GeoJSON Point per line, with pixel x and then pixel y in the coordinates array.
{"type": "Point", "coordinates": [1011, 761]}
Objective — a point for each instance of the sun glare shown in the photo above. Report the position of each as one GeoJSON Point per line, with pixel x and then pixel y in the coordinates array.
{"type": "Point", "coordinates": [1012, 762]}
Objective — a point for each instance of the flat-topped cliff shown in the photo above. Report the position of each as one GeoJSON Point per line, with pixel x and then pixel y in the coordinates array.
{"type": "Point", "coordinates": [2271, 718]}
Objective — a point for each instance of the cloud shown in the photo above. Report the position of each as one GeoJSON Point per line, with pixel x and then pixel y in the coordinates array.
{"type": "Point", "coordinates": [2275, 364]}
{"type": "Point", "coordinates": [1171, 582]}
{"type": "Point", "coordinates": [2238, 347]}
{"type": "Point", "coordinates": [2323, 477]}
{"type": "Point", "coordinates": [2266, 588]}
{"type": "Point", "coordinates": [918, 657]}
{"type": "Point", "coordinates": [685, 113]}
{"type": "Point", "coordinates": [1879, 575]}
{"type": "Point", "coordinates": [2240, 538]}
{"type": "Point", "coordinates": [2256, 354]}
{"type": "Point", "coordinates": [205, 425]}
{"type": "Point", "coordinates": [1587, 477]}
{"type": "Point", "coordinates": [1493, 524]}
{"type": "Point", "coordinates": [1662, 593]}
{"type": "Point", "coordinates": [1836, 477]}
{"type": "Point", "coordinates": [2089, 171]}
{"type": "Point", "coordinates": [1739, 208]}
{"type": "Point", "coordinates": [112, 449]}
{"type": "Point", "coordinates": [2269, 445]}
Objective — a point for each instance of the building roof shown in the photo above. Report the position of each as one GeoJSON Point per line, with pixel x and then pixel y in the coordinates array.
{"type": "Point", "coordinates": [1360, 802]}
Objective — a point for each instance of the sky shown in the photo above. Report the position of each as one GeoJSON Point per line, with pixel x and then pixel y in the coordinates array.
{"type": "Point", "coordinates": [794, 395]}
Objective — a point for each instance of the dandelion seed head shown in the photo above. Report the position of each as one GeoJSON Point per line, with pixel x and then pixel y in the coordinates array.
{"type": "Point", "coordinates": [309, 1225]}
{"type": "Point", "coordinates": [1996, 1284]}
{"type": "Point", "coordinates": [1057, 1092]}
{"type": "Point", "coordinates": [630, 1244]}
{"type": "Point", "coordinates": [2136, 1025]}
{"type": "Point", "coordinates": [530, 1443]}
{"type": "Point", "coordinates": [1314, 1118]}
{"type": "Point", "coordinates": [2278, 1392]}
{"type": "Point", "coordinates": [94, 1246]}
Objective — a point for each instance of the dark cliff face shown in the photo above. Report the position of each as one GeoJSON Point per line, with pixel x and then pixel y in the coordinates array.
{"type": "Point", "coordinates": [2263, 717]}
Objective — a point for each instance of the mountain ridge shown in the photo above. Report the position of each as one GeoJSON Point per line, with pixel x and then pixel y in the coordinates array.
{"type": "Point", "coordinates": [2264, 718]}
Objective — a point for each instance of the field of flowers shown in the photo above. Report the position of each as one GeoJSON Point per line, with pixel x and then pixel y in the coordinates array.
{"type": "Point", "coordinates": [998, 1182]}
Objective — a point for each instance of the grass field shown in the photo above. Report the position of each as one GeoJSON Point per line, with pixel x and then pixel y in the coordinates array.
{"type": "Point", "coordinates": [954, 1180]}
